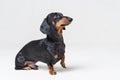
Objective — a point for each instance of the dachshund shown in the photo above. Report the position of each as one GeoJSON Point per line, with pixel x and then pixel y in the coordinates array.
{"type": "Point", "coordinates": [49, 50]}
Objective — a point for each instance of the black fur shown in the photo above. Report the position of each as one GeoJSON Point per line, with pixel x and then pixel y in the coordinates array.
{"type": "Point", "coordinates": [43, 50]}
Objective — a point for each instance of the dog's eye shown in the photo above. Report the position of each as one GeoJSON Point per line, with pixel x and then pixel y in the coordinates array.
{"type": "Point", "coordinates": [60, 15]}
{"type": "Point", "coordinates": [57, 18]}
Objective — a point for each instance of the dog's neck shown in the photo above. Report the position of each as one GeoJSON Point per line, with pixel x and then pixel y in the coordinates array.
{"type": "Point", "coordinates": [59, 30]}
{"type": "Point", "coordinates": [55, 37]}
{"type": "Point", "coordinates": [55, 34]}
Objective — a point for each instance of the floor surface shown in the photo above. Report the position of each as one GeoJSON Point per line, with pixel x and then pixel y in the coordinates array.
{"type": "Point", "coordinates": [83, 63]}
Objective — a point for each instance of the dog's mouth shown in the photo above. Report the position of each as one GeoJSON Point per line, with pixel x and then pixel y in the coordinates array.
{"type": "Point", "coordinates": [63, 25]}
{"type": "Point", "coordinates": [67, 22]}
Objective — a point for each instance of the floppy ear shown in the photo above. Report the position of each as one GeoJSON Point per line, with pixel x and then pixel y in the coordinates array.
{"type": "Point", "coordinates": [45, 28]}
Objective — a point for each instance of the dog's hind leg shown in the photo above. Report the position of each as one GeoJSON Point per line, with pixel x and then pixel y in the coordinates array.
{"type": "Point", "coordinates": [63, 62]}
{"type": "Point", "coordinates": [19, 61]}
{"type": "Point", "coordinates": [51, 69]}
{"type": "Point", "coordinates": [28, 65]}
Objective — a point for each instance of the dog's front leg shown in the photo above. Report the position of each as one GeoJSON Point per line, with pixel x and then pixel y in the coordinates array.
{"type": "Point", "coordinates": [51, 69]}
{"type": "Point", "coordinates": [63, 62]}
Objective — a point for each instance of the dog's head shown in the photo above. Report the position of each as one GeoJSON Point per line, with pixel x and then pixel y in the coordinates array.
{"type": "Point", "coordinates": [56, 20]}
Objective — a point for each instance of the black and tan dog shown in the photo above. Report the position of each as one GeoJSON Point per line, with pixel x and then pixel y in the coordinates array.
{"type": "Point", "coordinates": [48, 50]}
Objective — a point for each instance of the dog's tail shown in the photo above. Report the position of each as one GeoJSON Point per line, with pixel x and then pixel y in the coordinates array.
{"type": "Point", "coordinates": [19, 61]}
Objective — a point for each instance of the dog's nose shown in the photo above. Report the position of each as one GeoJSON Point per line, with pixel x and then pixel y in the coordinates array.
{"type": "Point", "coordinates": [69, 19]}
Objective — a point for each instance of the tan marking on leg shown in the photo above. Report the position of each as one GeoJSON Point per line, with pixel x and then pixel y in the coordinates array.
{"type": "Point", "coordinates": [30, 64]}
{"type": "Point", "coordinates": [51, 70]}
{"type": "Point", "coordinates": [63, 62]}
{"type": "Point", "coordinates": [27, 68]}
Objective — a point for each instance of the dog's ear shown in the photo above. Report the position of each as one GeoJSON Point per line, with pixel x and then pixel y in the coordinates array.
{"type": "Point", "coordinates": [45, 28]}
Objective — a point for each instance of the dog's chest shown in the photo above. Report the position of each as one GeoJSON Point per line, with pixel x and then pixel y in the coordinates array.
{"type": "Point", "coordinates": [61, 49]}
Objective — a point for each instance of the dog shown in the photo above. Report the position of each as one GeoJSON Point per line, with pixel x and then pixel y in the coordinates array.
{"type": "Point", "coordinates": [48, 50]}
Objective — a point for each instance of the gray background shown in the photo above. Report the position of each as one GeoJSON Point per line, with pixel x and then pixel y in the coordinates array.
{"type": "Point", "coordinates": [96, 22]}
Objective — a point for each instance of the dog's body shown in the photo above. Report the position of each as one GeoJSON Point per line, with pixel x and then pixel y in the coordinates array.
{"type": "Point", "coordinates": [48, 50]}
{"type": "Point", "coordinates": [39, 50]}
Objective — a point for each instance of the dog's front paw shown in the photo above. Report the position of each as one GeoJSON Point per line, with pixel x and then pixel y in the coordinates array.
{"type": "Point", "coordinates": [63, 65]}
{"type": "Point", "coordinates": [52, 72]}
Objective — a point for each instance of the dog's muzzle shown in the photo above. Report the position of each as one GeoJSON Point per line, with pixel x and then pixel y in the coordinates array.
{"type": "Point", "coordinates": [69, 21]}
